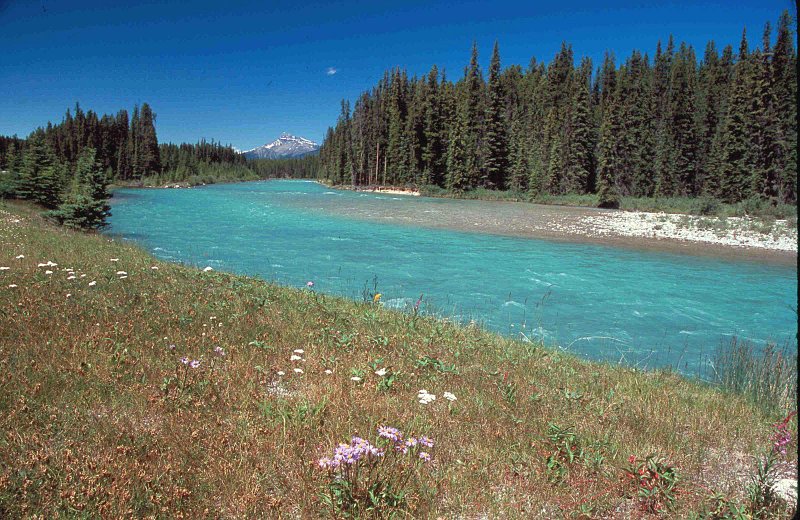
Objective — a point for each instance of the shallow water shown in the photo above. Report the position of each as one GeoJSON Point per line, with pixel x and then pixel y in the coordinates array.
{"type": "Point", "coordinates": [645, 308]}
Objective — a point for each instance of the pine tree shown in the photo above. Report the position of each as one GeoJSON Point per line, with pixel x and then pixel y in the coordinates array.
{"type": "Point", "coordinates": [474, 118]}
{"type": "Point", "coordinates": [580, 143]}
{"type": "Point", "coordinates": [735, 165]}
{"type": "Point", "coordinates": [768, 154]}
{"type": "Point", "coordinates": [496, 162]}
{"type": "Point", "coordinates": [86, 206]}
{"type": "Point", "coordinates": [607, 196]}
{"type": "Point", "coordinates": [784, 74]}
{"type": "Point", "coordinates": [148, 159]}
{"type": "Point", "coordinates": [433, 154]}
{"type": "Point", "coordinates": [682, 123]}
{"type": "Point", "coordinates": [459, 158]}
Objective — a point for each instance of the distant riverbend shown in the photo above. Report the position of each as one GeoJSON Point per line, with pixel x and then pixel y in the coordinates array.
{"type": "Point", "coordinates": [646, 307]}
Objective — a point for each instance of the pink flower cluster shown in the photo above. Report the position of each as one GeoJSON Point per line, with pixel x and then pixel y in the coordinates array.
{"type": "Point", "coordinates": [361, 450]}
{"type": "Point", "coordinates": [349, 454]}
{"type": "Point", "coordinates": [781, 437]}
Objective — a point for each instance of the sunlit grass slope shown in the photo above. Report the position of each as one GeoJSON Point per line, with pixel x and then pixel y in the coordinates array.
{"type": "Point", "coordinates": [101, 417]}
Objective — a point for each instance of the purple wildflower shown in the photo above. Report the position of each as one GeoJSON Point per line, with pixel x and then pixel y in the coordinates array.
{"type": "Point", "coordinates": [309, 284]}
{"type": "Point", "coordinates": [185, 360]}
{"type": "Point", "coordinates": [195, 363]}
{"type": "Point", "coordinates": [387, 432]}
{"type": "Point", "coordinates": [219, 351]}
{"type": "Point", "coordinates": [425, 456]}
{"type": "Point", "coordinates": [425, 441]}
{"type": "Point", "coordinates": [782, 436]}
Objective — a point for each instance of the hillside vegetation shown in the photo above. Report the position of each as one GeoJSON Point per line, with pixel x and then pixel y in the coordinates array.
{"type": "Point", "coordinates": [133, 387]}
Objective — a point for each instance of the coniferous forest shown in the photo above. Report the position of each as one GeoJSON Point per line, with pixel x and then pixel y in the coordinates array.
{"type": "Point", "coordinates": [722, 125]}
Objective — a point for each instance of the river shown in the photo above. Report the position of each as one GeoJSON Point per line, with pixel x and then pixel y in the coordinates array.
{"type": "Point", "coordinates": [644, 308]}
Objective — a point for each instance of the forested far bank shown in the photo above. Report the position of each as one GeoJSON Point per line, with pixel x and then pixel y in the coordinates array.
{"type": "Point", "coordinates": [724, 128]}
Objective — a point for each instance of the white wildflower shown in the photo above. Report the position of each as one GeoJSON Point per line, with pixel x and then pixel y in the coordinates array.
{"type": "Point", "coordinates": [298, 370]}
{"type": "Point", "coordinates": [381, 372]}
{"type": "Point", "coordinates": [93, 282]}
{"type": "Point", "coordinates": [281, 373]}
{"type": "Point", "coordinates": [450, 397]}
{"type": "Point", "coordinates": [329, 371]}
{"type": "Point", "coordinates": [48, 272]}
{"type": "Point", "coordinates": [207, 269]}
{"type": "Point", "coordinates": [115, 259]}
{"type": "Point", "coordinates": [19, 257]}
{"type": "Point", "coordinates": [295, 358]}
{"type": "Point", "coordinates": [299, 351]}
{"type": "Point", "coordinates": [11, 286]}
{"type": "Point", "coordinates": [355, 378]}
{"type": "Point", "coordinates": [121, 272]}
{"type": "Point", "coordinates": [4, 268]}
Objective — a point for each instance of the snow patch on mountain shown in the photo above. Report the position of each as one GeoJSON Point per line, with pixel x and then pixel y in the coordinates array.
{"type": "Point", "coordinates": [287, 145]}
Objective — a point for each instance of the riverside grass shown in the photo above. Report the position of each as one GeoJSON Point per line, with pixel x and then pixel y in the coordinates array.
{"type": "Point", "coordinates": [101, 419]}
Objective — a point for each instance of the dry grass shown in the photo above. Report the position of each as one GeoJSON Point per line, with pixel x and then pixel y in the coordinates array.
{"type": "Point", "coordinates": [99, 418]}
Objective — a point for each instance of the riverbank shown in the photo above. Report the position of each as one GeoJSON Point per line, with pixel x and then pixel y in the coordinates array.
{"type": "Point", "coordinates": [740, 238]}
{"type": "Point", "coordinates": [137, 387]}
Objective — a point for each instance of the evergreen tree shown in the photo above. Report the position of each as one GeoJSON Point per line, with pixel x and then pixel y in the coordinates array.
{"type": "Point", "coordinates": [86, 206]}
{"type": "Point", "coordinates": [580, 142]}
{"type": "Point", "coordinates": [607, 196]}
{"type": "Point", "coordinates": [496, 162]}
{"type": "Point", "coordinates": [148, 160]}
{"type": "Point", "coordinates": [459, 158]}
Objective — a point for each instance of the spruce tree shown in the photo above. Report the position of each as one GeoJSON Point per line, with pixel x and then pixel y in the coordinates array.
{"type": "Point", "coordinates": [580, 142]}
{"type": "Point", "coordinates": [607, 195]}
{"type": "Point", "coordinates": [459, 157]}
{"type": "Point", "coordinates": [86, 206]}
{"type": "Point", "coordinates": [496, 162]}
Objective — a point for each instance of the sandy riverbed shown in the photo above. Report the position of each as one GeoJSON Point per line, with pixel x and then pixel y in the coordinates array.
{"type": "Point", "coordinates": [739, 238]}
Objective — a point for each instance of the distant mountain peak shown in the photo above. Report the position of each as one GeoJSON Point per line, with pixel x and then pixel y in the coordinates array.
{"type": "Point", "coordinates": [287, 145]}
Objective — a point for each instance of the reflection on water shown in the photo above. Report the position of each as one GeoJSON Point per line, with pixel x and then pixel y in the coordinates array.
{"type": "Point", "coordinates": [649, 308]}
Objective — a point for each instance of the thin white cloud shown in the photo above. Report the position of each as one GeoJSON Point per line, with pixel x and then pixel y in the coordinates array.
{"type": "Point", "coordinates": [331, 71]}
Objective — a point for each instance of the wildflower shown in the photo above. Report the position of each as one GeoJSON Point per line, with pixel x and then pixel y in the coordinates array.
{"type": "Point", "coordinates": [4, 268]}
{"type": "Point", "coordinates": [172, 347]}
{"type": "Point", "coordinates": [219, 351]}
{"type": "Point", "coordinates": [93, 282]}
{"type": "Point", "coordinates": [207, 269]}
{"type": "Point", "coordinates": [48, 272]}
{"type": "Point", "coordinates": [329, 371]}
{"type": "Point", "coordinates": [115, 259]}
{"type": "Point", "coordinates": [295, 358]}
{"type": "Point", "coordinates": [281, 373]}
{"type": "Point", "coordinates": [425, 441]}
{"type": "Point", "coordinates": [425, 456]}
{"type": "Point", "coordinates": [324, 462]}
{"type": "Point", "coordinates": [387, 432]}
{"type": "Point", "coordinates": [71, 277]}
{"type": "Point", "coordinates": [19, 257]}
{"type": "Point", "coordinates": [411, 442]}
{"type": "Point", "coordinates": [299, 351]}
{"type": "Point", "coordinates": [424, 397]}
{"type": "Point", "coordinates": [11, 286]}
{"type": "Point", "coordinates": [355, 378]}
{"type": "Point", "coordinates": [185, 360]}
{"type": "Point", "coordinates": [309, 284]}
{"type": "Point", "coordinates": [450, 397]}
{"type": "Point", "coordinates": [83, 276]}
{"type": "Point", "coordinates": [121, 272]}
{"type": "Point", "coordinates": [381, 372]}
{"type": "Point", "coordinates": [154, 268]}
{"type": "Point", "coordinates": [68, 295]}
{"type": "Point", "coordinates": [195, 363]}
{"type": "Point", "coordinates": [782, 436]}
{"type": "Point", "coordinates": [376, 298]}
{"type": "Point", "coordinates": [122, 277]}
{"type": "Point", "coordinates": [298, 370]}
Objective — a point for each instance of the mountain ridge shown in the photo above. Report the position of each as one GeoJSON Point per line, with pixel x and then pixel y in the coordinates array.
{"type": "Point", "coordinates": [285, 146]}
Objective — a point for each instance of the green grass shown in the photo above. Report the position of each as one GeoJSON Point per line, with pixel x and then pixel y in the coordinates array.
{"type": "Point", "coordinates": [100, 419]}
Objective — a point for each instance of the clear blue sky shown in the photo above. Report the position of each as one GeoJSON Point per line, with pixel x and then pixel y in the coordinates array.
{"type": "Point", "coordinates": [243, 72]}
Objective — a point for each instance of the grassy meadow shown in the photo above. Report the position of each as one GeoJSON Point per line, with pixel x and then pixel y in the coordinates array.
{"type": "Point", "coordinates": [132, 387]}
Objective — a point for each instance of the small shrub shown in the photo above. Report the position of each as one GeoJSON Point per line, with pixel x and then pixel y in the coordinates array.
{"type": "Point", "coordinates": [654, 481]}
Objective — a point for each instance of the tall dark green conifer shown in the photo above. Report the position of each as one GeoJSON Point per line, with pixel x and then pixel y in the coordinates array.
{"type": "Point", "coordinates": [496, 162]}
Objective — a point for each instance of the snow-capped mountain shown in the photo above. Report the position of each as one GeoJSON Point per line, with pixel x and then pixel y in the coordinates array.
{"type": "Point", "coordinates": [286, 145]}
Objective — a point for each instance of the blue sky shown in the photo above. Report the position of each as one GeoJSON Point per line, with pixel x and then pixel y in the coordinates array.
{"type": "Point", "coordinates": [243, 72]}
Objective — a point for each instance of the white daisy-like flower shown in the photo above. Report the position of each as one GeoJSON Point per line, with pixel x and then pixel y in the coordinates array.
{"type": "Point", "coordinates": [207, 269]}
{"type": "Point", "coordinates": [329, 371]}
{"type": "Point", "coordinates": [355, 378]}
{"type": "Point", "coordinates": [48, 272]}
{"type": "Point", "coordinates": [93, 282]}
{"type": "Point", "coordinates": [154, 268]}
{"type": "Point", "coordinates": [68, 295]}
{"type": "Point", "coordinates": [299, 351]}
{"type": "Point", "coordinates": [121, 272]}
{"type": "Point", "coordinates": [123, 277]}
{"type": "Point", "coordinates": [11, 286]}
{"type": "Point", "coordinates": [381, 372]}
{"type": "Point", "coordinates": [19, 257]}
{"type": "Point", "coordinates": [295, 358]}
{"type": "Point", "coordinates": [71, 277]}
{"type": "Point", "coordinates": [298, 370]}
{"type": "Point", "coordinates": [115, 259]}
{"type": "Point", "coordinates": [449, 396]}
{"type": "Point", "coordinates": [4, 268]}
{"type": "Point", "coordinates": [281, 373]}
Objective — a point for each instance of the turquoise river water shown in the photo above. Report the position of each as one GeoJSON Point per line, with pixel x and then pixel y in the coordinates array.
{"type": "Point", "coordinates": [643, 308]}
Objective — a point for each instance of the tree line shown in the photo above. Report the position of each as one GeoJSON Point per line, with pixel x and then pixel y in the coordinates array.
{"type": "Point", "coordinates": [67, 167]}
{"type": "Point", "coordinates": [668, 127]}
